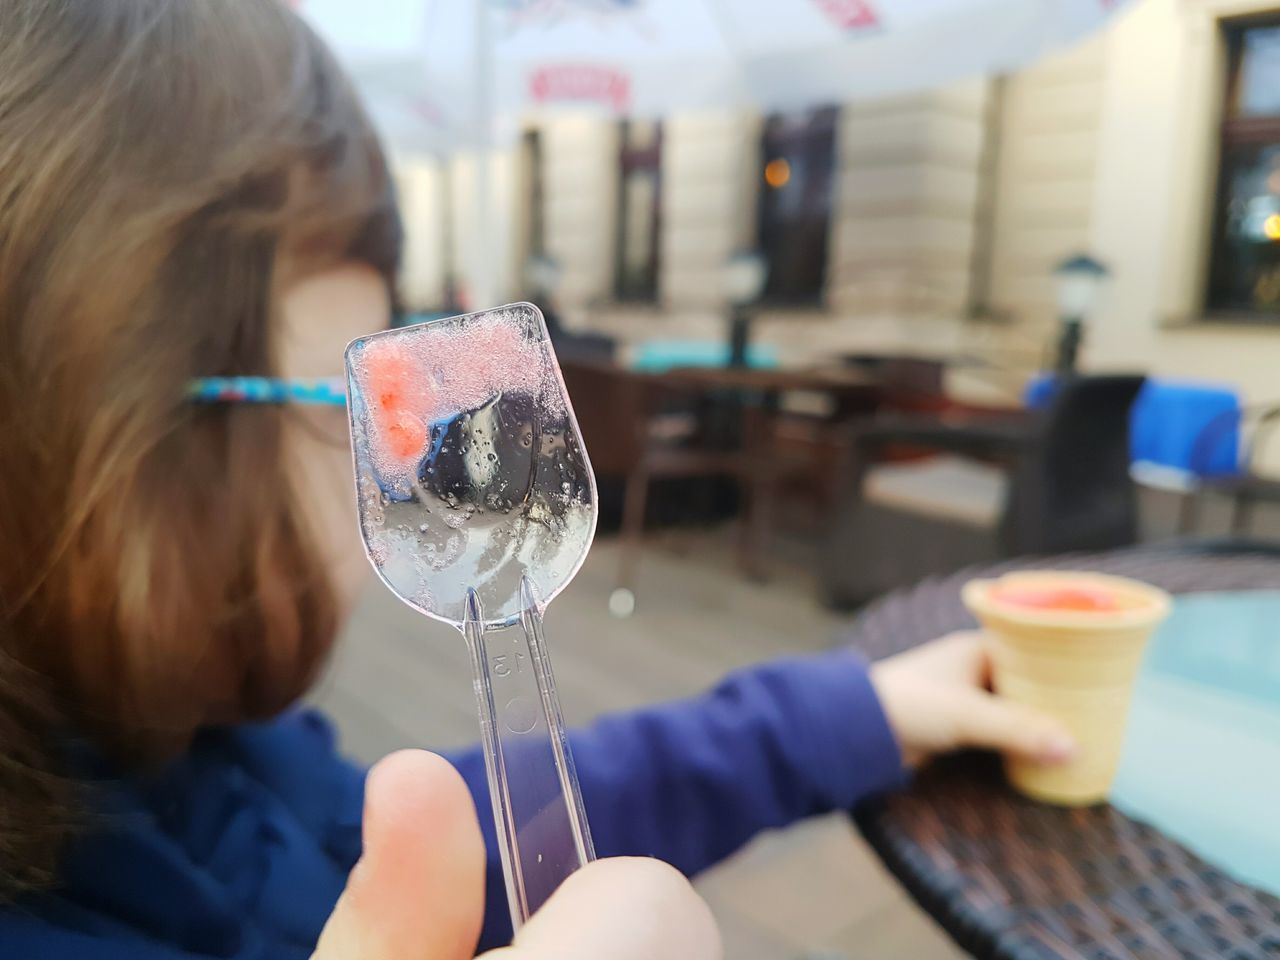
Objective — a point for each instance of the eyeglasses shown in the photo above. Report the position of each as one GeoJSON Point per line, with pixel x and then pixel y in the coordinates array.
{"type": "Point", "coordinates": [328, 392]}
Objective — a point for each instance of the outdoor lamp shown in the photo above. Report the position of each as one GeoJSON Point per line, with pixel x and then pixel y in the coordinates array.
{"type": "Point", "coordinates": [1079, 280]}
{"type": "Point", "coordinates": [543, 274]}
{"type": "Point", "coordinates": [744, 276]}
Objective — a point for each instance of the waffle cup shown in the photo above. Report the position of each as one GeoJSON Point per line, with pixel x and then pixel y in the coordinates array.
{"type": "Point", "coordinates": [1076, 665]}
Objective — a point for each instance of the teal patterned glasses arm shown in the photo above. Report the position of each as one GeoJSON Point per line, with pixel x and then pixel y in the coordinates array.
{"type": "Point", "coordinates": [328, 391]}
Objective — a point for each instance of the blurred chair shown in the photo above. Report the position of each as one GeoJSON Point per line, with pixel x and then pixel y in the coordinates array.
{"type": "Point", "coordinates": [627, 436]}
{"type": "Point", "coordinates": [581, 345]}
{"type": "Point", "coordinates": [916, 384]}
{"type": "Point", "coordinates": [1039, 482]}
{"type": "Point", "coordinates": [1167, 423]}
{"type": "Point", "coordinates": [1243, 481]}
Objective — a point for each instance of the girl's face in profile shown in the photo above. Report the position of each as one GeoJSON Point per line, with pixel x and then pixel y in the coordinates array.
{"type": "Point", "coordinates": [321, 314]}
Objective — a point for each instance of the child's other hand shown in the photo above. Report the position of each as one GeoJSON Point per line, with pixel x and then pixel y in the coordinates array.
{"type": "Point", "coordinates": [937, 698]}
{"type": "Point", "coordinates": [418, 891]}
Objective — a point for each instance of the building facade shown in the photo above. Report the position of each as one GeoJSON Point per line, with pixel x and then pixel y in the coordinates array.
{"type": "Point", "coordinates": [927, 223]}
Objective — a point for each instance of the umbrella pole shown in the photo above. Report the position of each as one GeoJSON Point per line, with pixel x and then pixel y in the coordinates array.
{"type": "Point", "coordinates": [482, 253]}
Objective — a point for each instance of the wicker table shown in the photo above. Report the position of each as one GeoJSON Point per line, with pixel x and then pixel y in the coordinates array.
{"type": "Point", "coordinates": [1010, 879]}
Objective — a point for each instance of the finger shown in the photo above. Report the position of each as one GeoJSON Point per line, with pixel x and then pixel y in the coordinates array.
{"type": "Point", "coordinates": [418, 891]}
{"type": "Point", "coordinates": [623, 909]}
{"type": "Point", "coordinates": [956, 656]}
{"type": "Point", "coordinates": [984, 720]}
{"type": "Point", "coordinates": [970, 651]}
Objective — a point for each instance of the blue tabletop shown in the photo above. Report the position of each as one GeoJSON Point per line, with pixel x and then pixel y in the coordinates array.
{"type": "Point", "coordinates": [658, 356]}
{"type": "Point", "coordinates": [1202, 751]}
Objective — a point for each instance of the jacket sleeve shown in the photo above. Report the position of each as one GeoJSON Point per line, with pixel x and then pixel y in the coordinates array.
{"type": "Point", "coordinates": [689, 782]}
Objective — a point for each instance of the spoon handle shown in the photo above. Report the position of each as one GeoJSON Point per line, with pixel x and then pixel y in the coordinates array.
{"type": "Point", "coordinates": [537, 806]}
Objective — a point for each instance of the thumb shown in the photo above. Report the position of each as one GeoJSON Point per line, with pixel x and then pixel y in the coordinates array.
{"type": "Point", "coordinates": [985, 720]}
{"type": "Point", "coordinates": [418, 891]}
{"type": "Point", "coordinates": [623, 909]}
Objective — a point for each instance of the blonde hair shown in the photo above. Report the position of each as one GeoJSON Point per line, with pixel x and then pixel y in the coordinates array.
{"type": "Point", "coordinates": [166, 167]}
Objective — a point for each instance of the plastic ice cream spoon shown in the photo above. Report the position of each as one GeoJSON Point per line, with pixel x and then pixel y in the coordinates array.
{"type": "Point", "coordinates": [477, 507]}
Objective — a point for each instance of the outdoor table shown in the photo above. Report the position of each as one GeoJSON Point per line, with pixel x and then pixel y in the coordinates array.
{"type": "Point", "coordinates": [1012, 879]}
{"type": "Point", "coordinates": [842, 382]}
{"type": "Point", "coordinates": [854, 392]}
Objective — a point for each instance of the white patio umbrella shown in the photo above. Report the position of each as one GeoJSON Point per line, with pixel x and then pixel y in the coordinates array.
{"type": "Point", "coordinates": [427, 66]}
{"type": "Point", "coordinates": [439, 75]}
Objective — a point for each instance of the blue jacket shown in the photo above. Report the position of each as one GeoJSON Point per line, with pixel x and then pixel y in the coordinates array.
{"type": "Point", "coordinates": [240, 849]}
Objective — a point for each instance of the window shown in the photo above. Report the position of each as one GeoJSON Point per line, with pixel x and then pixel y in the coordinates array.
{"type": "Point", "coordinates": [639, 210]}
{"type": "Point", "coordinates": [798, 159]}
{"type": "Point", "coordinates": [1244, 274]}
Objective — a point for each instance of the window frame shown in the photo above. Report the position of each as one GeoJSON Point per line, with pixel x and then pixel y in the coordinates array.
{"type": "Point", "coordinates": [632, 159]}
{"type": "Point", "coordinates": [821, 123]}
{"type": "Point", "coordinates": [533, 226]}
{"type": "Point", "coordinates": [1234, 130]}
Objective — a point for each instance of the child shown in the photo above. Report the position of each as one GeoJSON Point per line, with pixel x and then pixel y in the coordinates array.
{"type": "Point", "coordinates": [189, 189]}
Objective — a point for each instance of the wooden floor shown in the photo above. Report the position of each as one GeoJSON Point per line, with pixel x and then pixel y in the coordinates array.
{"type": "Point", "coordinates": [812, 891]}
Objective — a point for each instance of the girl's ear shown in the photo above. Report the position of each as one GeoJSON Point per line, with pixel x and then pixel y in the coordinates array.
{"type": "Point", "coordinates": [322, 313]}
{"type": "Point", "coordinates": [319, 315]}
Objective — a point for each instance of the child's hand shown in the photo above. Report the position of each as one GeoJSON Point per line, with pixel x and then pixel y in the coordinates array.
{"type": "Point", "coordinates": [936, 698]}
{"type": "Point", "coordinates": [418, 891]}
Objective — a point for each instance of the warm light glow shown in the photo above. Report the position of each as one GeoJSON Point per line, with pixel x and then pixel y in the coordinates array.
{"type": "Point", "coordinates": [777, 173]}
{"type": "Point", "coordinates": [1271, 227]}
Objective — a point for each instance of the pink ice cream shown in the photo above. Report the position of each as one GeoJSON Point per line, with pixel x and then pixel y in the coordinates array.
{"type": "Point", "coordinates": [419, 376]}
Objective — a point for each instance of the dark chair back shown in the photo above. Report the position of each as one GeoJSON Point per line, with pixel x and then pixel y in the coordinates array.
{"type": "Point", "coordinates": [612, 407]}
{"type": "Point", "coordinates": [1074, 491]}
